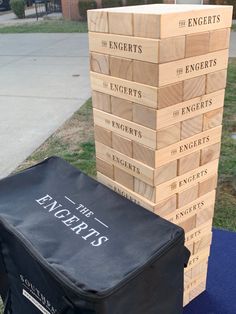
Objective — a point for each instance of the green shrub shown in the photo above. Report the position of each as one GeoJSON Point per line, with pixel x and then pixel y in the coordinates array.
{"type": "Point", "coordinates": [86, 5]}
{"type": "Point", "coordinates": [135, 2]}
{"type": "Point", "coordinates": [154, 1]}
{"type": "Point", "coordinates": [18, 7]}
{"type": "Point", "coordinates": [111, 3]}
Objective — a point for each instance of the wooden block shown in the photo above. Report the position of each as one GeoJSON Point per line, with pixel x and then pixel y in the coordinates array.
{"type": "Point", "coordinates": [99, 63]}
{"type": "Point", "coordinates": [204, 242]}
{"type": "Point", "coordinates": [170, 95]}
{"type": "Point", "coordinates": [102, 135]}
{"type": "Point", "coordinates": [145, 73]}
{"type": "Point", "coordinates": [197, 44]}
{"type": "Point", "coordinates": [98, 21]}
{"type": "Point", "coordinates": [125, 128]}
{"type": "Point", "coordinates": [144, 189]}
{"type": "Point", "coordinates": [168, 135]}
{"type": "Point", "coordinates": [121, 67]}
{"type": "Point", "coordinates": [188, 68]}
{"type": "Point", "coordinates": [194, 87]}
{"type": "Point", "coordinates": [197, 233]}
{"type": "Point", "coordinates": [147, 25]}
{"type": "Point", "coordinates": [186, 181]}
{"type": "Point", "coordinates": [132, 91]}
{"type": "Point", "coordinates": [122, 145]}
{"type": "Point", "coordinates": [187, 196]}
{"type": "Point", "coordinates": [131, 166]}
{"type": "Point", "coordinates": [144, 116]}
{"type": "Point", "coordinates": [189, 109]}
{"type": "Point", "coordinates": [172, 48]}
{"type": "Point", "coordinates": [201, 267]}
{"type": "Point", "coordinates": [120, 189]}
{"type": "Point", "coordinates": [199, 257]}
{"type": "Point", "coordinates": [144, 154]}
{"type": "Point", "coordinates": [219, 39]}
{"type": "Point", "coordinates": [191, 209]}
{"type": "Point", "coordinates": [216, 81]}
{"type": "Point", "coordinates": [188, 146]}
{"type": "Point", "coordinates": [189, 246]}
{"type": "Point", "coordinates": [197, 291]}
{"type": "Point", "coordinates": [165, 173]}
{"type": "Point", "coordinates": [205, 215]}
{"type": "Point", "coordinates": [210, 153]}
{"type": "Point", "coordinates": [124, 46]}
{"type": "Point", "coordinates": [101, 101]}
{"type": "Point", "coordinates": [166, 206]}
{"type": "Point", "coordinates": [212, 119]}
{"type": "Point", "coordinates": [185, 299]}
{"type": "Point", "coordinates": [105, 168]}
{"type": "Point", "coordinates": [122, 108]}
{"type": "Point", "coordinates": [195, 282]}
{"type": "Point", "coordinates": [188, 162]}
{"type": "Point", "coordinates": [121, 24]}
{"type": "Point", "coordinates": [124, 178]}
{"type": "Point", "coordinates": [188, 224]}
{"type": "Point", "coordinates": [191, 127]}
{"type": "Point", "coordinates": [208, 184]}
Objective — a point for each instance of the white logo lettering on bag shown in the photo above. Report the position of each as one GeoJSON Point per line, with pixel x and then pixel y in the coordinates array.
{"type": "Point", "coordinates": [76, 223]}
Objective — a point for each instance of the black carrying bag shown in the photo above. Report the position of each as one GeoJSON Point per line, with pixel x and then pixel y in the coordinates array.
{"type": "Point", "coordinates": [72, 246]}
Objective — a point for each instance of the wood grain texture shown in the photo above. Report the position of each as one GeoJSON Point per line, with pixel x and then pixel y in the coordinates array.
{"type": "Point", "coordinates": [188, 68]}
{"type": "Point", "coordinates": [189, 109]}
{"type": "Point", "coordinates": [145, 116]}
{"type": "Point", "coordinates": [208, 185]}
{"type": "Point", "coordinates": [197, 233]}
{"type": "Point", "coordinates": [188, 162]}
{"type": "Point", "coordinates": [170, 95]}
{"type": "Point", "coordinates": [132, 91]}
{"type": "Point", "coordinates": [144, 154]}
{"type": "Point", "coordinates": [216, 81]}
{"type": "Point", "coordinates": [145, 73]}
{"type": "Point", "coordinates": [197, 44]}
{"type": "Point", "coordinates": [186, 181]}
{"type": "Point", "coordinates": [166, 206]}
{"type": "Point", "coordinates": [102, 135]}
{"type": "Point", "coordinates": [202, 266]}
{"type": "Point", "coordinates": [193, 208]}
{"type": "Point", "coordinates": [199, 257]}
{"type": "Point", "coordinates": [122, 108]}
{"type": "Point", "coordinates": [104, 167]}
{"type": "Point", "coordinates": [144, 189]}
{"type": "Point", "coordinates": [187, 196]}
{"type": "Point", "coordinates": [205, 215]}
{"type": "Point", "coordinates": [122, 144]}
{"type": "Point", "coordinates": [134, 48]}
{"type": "Point", "coordinates": [210, 153]}
{"type": "Point", "coordinates": [204, 242]}
{"type": "Point", "coordinates": [191, 127]}
{"type": "Point", "coordinates": [121, 24]}
{"type": "Point", "coordinates": [194, 87]}
{"type": "Point", "coordinates": [219, 39]}
{"type": "Point", "coordinates": [101, 101]}
{"type": "Point", "coordinates": [130, 130]}
{"type": "Point", "coordinates": [120, 189]}
{"type": "Point", "coordinates": [124, 178]}
{"type": "Point", "coordinates": [172, 48]}
{"type": "Point", "coordinates": [168, 135]}
{"type": "Point", "coordinates": [98, 21]}
{"type": "Point", "coordinates": [212, 119]}
{"type": "Point", "coordinates": [165, 173]}
{"type": "Point", "coordinates": [121, 67]}
{"type": "Point", "coordinates": [194, 283]}
{"type": "Point", "coordinates": [147, 25]}
{"type": "Point", "coordinates": [188, 146]}
{"type": "Point", "coordinates": [99, 63]}
{"type": "Point", "coordinates": [197, 290]}
{"type": "Point", "coordinates": [188, 224]}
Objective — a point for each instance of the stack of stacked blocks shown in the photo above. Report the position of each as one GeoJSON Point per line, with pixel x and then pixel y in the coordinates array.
{"type": "Point", "coordinates": [158, 76]}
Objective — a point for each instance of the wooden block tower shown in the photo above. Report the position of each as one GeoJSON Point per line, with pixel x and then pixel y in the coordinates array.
{"type": "Point", "coordinates": [158, 76]}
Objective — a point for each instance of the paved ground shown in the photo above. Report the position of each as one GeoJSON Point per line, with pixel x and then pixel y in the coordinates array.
{"type": "Point", "coordinates": [43, 80]}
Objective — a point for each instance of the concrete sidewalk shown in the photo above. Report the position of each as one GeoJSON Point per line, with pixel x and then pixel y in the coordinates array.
{"type": "Point", "coordinates": [44, 79]}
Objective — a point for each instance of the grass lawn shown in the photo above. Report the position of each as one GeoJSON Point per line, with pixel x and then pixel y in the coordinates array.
{"type": "Point", "coordinates": [74, 142]}
{"type": "Point", "coordinates": [234, 27]}
{"type": "Point", "coordinates": [54, 26]}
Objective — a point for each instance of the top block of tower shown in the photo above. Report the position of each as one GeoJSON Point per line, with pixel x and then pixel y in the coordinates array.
{"type": "Point", "coordinates": [159, 21]}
